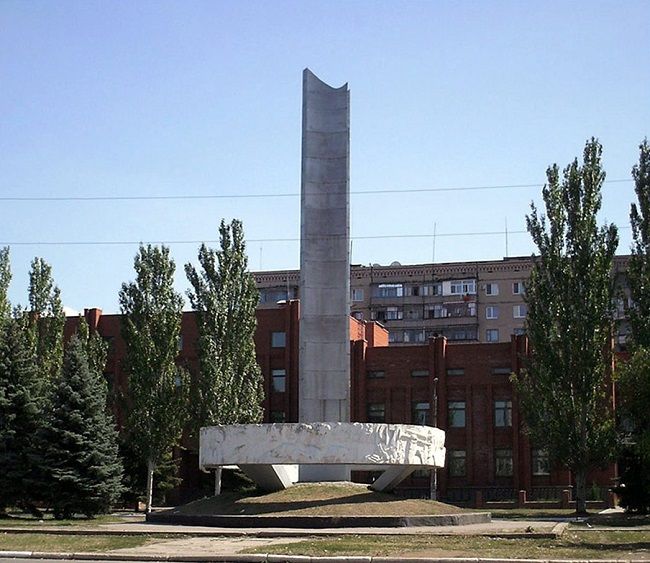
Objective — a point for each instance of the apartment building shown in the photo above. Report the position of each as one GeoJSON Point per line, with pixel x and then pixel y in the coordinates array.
{"type": "Point", "coordinates": [479, 301]}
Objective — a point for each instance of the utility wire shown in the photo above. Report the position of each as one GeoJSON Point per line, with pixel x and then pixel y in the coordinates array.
{"type": "Point", "coordinates": [271, 195]}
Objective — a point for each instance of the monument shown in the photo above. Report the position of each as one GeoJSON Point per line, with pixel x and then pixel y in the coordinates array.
{"type": "Point", "coordinates": [324, 444]}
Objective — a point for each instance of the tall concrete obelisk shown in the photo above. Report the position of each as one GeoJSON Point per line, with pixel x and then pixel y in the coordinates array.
{"type": "Point", "coordinates": [324, 394]}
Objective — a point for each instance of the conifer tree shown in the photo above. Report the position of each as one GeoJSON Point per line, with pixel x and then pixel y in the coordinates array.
{"type": "Point", "coordinates": [570, 322]}
{"type": "Point", "coordinates": [229, 386]}
{"type": "Point", "coordinates": [19, 418]}
{"type": "Point", "coordinates": [158, 388]}
{"type": "Point", "coordinates": [81, 456]}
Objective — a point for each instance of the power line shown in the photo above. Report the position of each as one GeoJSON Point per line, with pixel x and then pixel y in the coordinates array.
{"type": "Point", "coordinates": [271, 195]}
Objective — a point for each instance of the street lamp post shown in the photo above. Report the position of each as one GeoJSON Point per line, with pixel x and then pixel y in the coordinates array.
{"type": "Point", "coordinates": [433, 479]}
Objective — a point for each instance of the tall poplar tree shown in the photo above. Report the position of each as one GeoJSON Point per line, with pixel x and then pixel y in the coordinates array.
{"type": "Point", "coordinates": [228, 388]}
{"type": "Point", "coordinates": [81, 457]}
{"type": "Point", "coordinates": [5, 278]}
{"type": "Point", "coordinates": [157, 387]}
{"type": "Point", "coordinates": [563, 389]}
{"type": "Point", "coordinates": [45, 321]}
{"type": "Point", "coordinates": [634, 376]}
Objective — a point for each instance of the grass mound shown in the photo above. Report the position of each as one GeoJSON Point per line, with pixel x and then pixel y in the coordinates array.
{"type": "Point", "coordinates": [316, 499]}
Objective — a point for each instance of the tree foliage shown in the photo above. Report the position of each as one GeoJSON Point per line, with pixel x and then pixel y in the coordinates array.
{"type": "Point", "coordinates": [5, 278]}
{"type": "Point", "coordinates": [563, 389]}
{"type": "Point", "coordinates": [151, 324]}
{"type": "Point", "coordinates": [19, 417]}
{"type": "Point", "coordinates": [45, 321]}
{"type": "Point", "coordinates": [634, 375]}
{"type": "Point", "coordinates": [228, 388]}
{"type": "Point", "coordinates": [81, 457]}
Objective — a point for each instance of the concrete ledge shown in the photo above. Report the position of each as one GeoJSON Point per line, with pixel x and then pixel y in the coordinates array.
{"type": "Point", "coordinates": [315, 522]}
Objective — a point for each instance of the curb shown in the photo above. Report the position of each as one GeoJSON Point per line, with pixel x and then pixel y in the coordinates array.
{"type": "Point", "coordinates": [273, 558]}
{"type": "Point", "coordinates": [315, 522]}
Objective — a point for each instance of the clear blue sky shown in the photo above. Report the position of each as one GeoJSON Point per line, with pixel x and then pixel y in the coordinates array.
{"type": "Point", "coordinates": [204, 98]}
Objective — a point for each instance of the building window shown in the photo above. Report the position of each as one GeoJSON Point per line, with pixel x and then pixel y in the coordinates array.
{"type": "Point", "coordinates": [455, 371]}
{"type": "Point", "coordinates": [541, 463]}
{"type": "Point", "coordinates": [389, 290]}
{"type": "Point", "coordinates": [278, 380]}
{"type": "Point", "coordinates": [357, 315]}
{"type": "Point", "coordinates": [375, 374]}
{"type": "Point", "coordinates": [519, 311]}
{"type": "Point", "coordinates": [278, 339]}
{"type": "Point", "coordinates": [492, 335]}
{"type": "Point", "coordinates": [421, 413]}
{"type": "Point", "coordinates": [277, 416]}
{"type": "Point", "coordinates": [394, 336]}
{"type": "Point", "coordinates": [376, 412]}
{"type": "Point", "coordinates": [457, 463]}
{"type": "Point", "coordinates": [501, 371]}
{"type": "Point", "coordinates": [503, 462]}
{"type": "Point", "coordinates": [357, 294]}
{"type": "Point", "coordinates": [414, 335]}
{"type": "Point", "coordinates": [518, 288]}
{"type": "Point", "coordinates": [436, 312]}
{"type": "Point", "coordinates": [414, 314]}
{"type": "Point", "coordinates": [491, 289]}
{"type": "Point", "coordinates": [520, 331]}
{"type": "Point", "coordinates": [462, 287]}
{"type": "Point", "coordinates": [492, 312]}
{"type": "Point", "coordinates": [502, 413]}
{"type": "Point", "coordinates": [456, 414]}
{"type": "Point", "coordinates": [412, 290]}
{"type": "Point", "coordinates": [432, 289]}
{"type": "Point", "coordinates": [387, 314]}
{"type": "Point", "coordinates": [420, 373]}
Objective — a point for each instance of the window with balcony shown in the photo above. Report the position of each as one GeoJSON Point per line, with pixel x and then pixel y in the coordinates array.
{"type": "Point", "coordinates": [503, 462]}
{"type": "Point", "coordinates": [389, 290]}
{"type": "Point", "coordinates": [491, 312]}
{"type": "Point", "coordinates": [414, 335]}
{"type": "Point", "coordinates": [502, 414]}
{"type": "Point", "coordinates": [432, 289]}
{"type": "Point", "coordinates": [456, 414]}
{"type": "Point", "coordinates": [436, 312]}
{"type": "Point", "coordinates": [462, 287]}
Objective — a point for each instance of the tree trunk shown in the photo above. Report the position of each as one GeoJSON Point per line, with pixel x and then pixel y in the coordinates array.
{"type": "Point", "coordinates": [581, 491]}
{"type": "Point", "coordinates": [150, 468]}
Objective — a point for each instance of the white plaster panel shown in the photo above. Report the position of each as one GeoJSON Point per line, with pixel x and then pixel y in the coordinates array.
{"type": "Point", "coordinates": [318, 443]}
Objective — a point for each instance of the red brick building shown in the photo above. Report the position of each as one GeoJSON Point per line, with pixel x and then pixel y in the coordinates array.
{"type": "Point", "coordinates": [462, 388]}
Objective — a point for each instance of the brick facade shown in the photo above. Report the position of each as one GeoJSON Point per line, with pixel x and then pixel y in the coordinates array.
{"type": "Point", "coordinates": [463, 388]}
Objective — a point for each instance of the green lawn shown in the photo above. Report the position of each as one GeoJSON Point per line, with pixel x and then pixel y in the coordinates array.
{"type": "Point", "coordinates": [63, 543]}
{"type": "Point", "coordinates": [572, 545]}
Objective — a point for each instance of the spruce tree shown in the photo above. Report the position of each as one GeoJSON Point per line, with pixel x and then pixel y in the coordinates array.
{"type": "Point", "coordinates": [157, 388]}
{"type": "Point", "coordinates": [229, 385]}
{"type": "Point", "coordinates": [19, 418]}
{"type": "Point", "coordinates": [569, 294]}
{"type": "Point", "coordinates": [81, 457]}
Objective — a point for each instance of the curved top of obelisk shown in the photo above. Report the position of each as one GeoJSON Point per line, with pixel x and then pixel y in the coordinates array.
{"type": "Point", "coordinates": [315, 84]}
